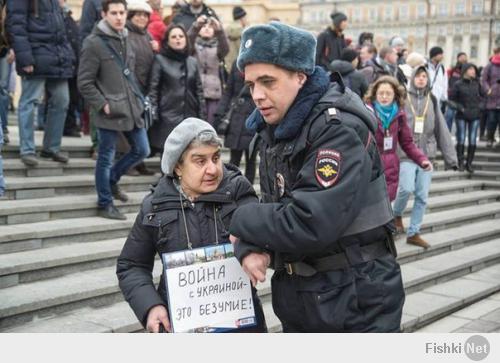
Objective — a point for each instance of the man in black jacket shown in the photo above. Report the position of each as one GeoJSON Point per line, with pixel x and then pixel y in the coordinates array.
{"type": "Point", "coordinates": [331, 41]}
{"type": "Point", "coordinates": [324, 223]}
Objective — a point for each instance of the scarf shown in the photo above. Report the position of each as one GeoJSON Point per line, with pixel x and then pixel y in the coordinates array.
{"type": "Point", "coordinates": [315, 87]}
{"type": "Point", "coordinates": [177, 55]}
{"type": "Point", "coordinates": [386, 113]}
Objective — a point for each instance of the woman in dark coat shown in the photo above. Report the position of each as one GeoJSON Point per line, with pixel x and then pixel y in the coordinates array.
{"type": "Point", "coordinates": [175, 87]}
{"type": "Point", "coordinates": [237, 136]}
{"type": "Point", "coordinates": [190, 208]}
{"type": "Point", "coordinates": [467, 94]}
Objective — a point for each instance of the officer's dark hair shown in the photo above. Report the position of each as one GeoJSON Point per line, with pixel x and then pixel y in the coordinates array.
{"type": "Point", "coordinates": [107, 3]}
{"type": "Point", "coordinates": [399, 90]}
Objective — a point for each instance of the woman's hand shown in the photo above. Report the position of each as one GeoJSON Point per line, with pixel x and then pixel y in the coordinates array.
{"type": "Point", "coordinates": [158, 315]}
{"type": "Point", "coordinates": [427, 165]}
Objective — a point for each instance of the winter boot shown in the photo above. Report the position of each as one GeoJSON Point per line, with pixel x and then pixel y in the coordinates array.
{"type": "Point", "coordinates": [471, 150]}
{"type": "Point", "coordinates": [490, 139]}
{"type": "Point", "coordinates": [460, 156]}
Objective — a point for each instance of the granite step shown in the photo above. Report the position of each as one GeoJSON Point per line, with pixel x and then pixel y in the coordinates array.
{"type": "Point", "coordinates": [50, 186]}
{"type": "Point", "coordinates": [61, 207]}
{"type": "Point", "coordinates": [25, 302]}
{"type": "Point", "coordinates": [478, 165]}
{"type": "Point", "coordinates": [433, 303]}
{"type": "Point", "coordinates": [14, 168]}
{"type": "Point", "coordinates": [30, 236]}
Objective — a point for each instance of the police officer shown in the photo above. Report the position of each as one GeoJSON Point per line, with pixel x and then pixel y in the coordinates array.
{"type": "Point", "coordinates": [324, 223]}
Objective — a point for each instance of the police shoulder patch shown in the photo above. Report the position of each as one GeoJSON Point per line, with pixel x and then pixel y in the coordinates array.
{"type": "Point", "coordinates": [327, 167]}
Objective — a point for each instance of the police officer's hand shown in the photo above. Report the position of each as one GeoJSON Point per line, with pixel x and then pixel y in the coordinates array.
{"type": "Point", "coordinates": [158, 314]}
{"type": "Point", "coordinates": [255, 265]}
{"type": "Point", "coordinates": [427, 165]}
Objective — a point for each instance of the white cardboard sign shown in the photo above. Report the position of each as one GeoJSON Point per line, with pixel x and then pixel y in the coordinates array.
{"type": "Point", "coordinates": [208, 291]}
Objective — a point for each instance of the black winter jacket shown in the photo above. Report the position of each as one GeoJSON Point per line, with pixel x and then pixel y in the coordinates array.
{"type": "Point", "coordinates": [73, 34]}
{"type": "Point", "coordinates": [91, 14]}
{"type": "Point", "coordinates": [38, 35]}
{"type": "Point", "coordinates": [238, 137]}
{"type": "Point", "coordinates": [176, 92]}
{"type": "Point", "coordinates": [468, 95]}
{"type": "Point", "coordinates": [329, 47]}
{"type": "Point", "coordinates": [353, 79]}
{"type": "Point", "coordinates": [159, 228]}
{"type": "Point", "coordinates": [139, 42]}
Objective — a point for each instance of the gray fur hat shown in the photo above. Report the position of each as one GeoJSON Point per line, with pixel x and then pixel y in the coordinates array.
{"type": "Point", "coordinates": [179, 139]}
{"type": "Point", "coordinates": [279, 44]}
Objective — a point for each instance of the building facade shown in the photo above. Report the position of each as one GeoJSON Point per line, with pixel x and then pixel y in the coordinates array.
{"type": "Point", "coordinates": [472, 26]}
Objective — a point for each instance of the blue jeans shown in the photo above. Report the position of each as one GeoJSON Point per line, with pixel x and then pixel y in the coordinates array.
{"type": "Point", "coordinates": [493, 120]}
{"type": "Point", "coordinates": [449, 116]}
{"type": "Point", "coordinates": [107, 174]}
{"type": "Point", "coordinates": [4, 91]}
{"type": "Point", "coordinates": [57, 106]}
{"type": "Point", "coordinates": [412, 180]}
{"type": "Point", "coordinates": [2, 181]}
{"type": "Point", "coordinates": [467, 126]}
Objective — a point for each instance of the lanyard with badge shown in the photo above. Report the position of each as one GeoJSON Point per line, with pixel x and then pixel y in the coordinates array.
{"type": "Point", "coordinates": [418, 127]}
{"type": "Point", "coordinates": [388, 141]}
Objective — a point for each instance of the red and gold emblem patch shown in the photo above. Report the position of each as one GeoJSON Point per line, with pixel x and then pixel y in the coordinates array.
{"type": "Point", "coordinates": [327, 167]}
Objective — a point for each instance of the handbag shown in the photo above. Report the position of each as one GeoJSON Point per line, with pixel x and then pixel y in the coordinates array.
{"type": "Point", "coordinates": [148, 109]}
{"type": "Point", "coordinates": [226, 119]}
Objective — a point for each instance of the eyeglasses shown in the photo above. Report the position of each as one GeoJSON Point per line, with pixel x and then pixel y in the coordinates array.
{"type": "Point", "coordinates": [142, 13]}
{"type": "Point", "coordinates": [385, 94]}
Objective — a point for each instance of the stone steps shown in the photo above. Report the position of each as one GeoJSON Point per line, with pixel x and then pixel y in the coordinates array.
{"type": "Point", "coordinates": [53, 297]}
{"type": "Point", "coordinates": [50, 186]}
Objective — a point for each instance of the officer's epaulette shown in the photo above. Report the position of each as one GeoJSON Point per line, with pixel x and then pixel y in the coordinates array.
{"type": "Point", "coordinates": [332, 115]}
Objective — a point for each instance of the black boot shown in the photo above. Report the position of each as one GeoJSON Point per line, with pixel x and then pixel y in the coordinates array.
{"type": "Point", "coordinates": [490, 138]}
{"type": "Point", "coordinates": [471, 150]}
{"type": "Point", "coordinates": [460, 156]}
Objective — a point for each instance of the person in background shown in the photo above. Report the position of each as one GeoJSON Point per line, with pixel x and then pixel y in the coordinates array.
{"type": "Point", "coordinates": [386, 64]}
{"type": "Point", "coordinates": [175, 88]}
{"type": "Point", "coordinates": [2, 180]}
{"type": "Point", "coordinates": [398, 44]}
{"type": "Point", "coordinates": [387, 98]}
{"type": "Point", "coordinates": [191, 11]}
{"type": "Point", "coordinates": [347, 67]}
{"type": "Point", "coordinates": [365, 38]}
{"type": "Point", "coordinates": [331, 41]}
{"type": "Point", "coordinates": [45, 61]}
{"type": "Point", "coordinates": [91, 14]}
{"type": "Point", "coordinates": [429, 134]}
{"type": "Point", "coordinates": [72, 124]}
{"type": "Point", "coordinates": [233, 31]}
{"type": "Point", "coordinates": [104, 85]}
{"type": "Point", "coordinates": [490, 81]}
{"type": "Point", "coordinates": [454, 74]}
{"type": "Point", "coordinates": [367, 55]}
{"type": "Point", "coordinates": [237, 103]}
{"type": "Point", "coordinates": [210, 46]}
{"type": "Point", "coordinates": [467, 93]}
{"type": "Point", "coordinates": [156, 25]}
{"type": "Point", "coordinates": [198, 195]}
{"type": "Point", "coordinates": [438, 77]}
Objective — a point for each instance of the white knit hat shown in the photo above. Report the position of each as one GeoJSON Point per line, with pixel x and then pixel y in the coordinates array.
{"type": "Point", "coordinates": [139, 5]}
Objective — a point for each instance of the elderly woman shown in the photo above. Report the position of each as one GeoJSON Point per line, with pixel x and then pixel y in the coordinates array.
{"type": "Point", "coordinates": [190, 207]}
{"type": "Point", "coordinates": [387, 97]}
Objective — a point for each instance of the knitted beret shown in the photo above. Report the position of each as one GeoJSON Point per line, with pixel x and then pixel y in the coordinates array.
{"type": "Point", "coordinates": [279, 44]}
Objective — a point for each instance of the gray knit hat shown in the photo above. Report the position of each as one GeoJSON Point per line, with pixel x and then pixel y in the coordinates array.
{"type": "Point", "coordinates": [179, 139]}
{"type": "Point", "coordinates": [280, 44]}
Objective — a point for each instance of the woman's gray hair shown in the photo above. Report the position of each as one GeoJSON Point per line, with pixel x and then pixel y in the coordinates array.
{"type": "Point", "coordinates": [205, 138]}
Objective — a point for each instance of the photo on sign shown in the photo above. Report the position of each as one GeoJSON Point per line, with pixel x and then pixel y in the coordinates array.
{"type": "Point", "coordinates": [229, 248]}
{"type": "Point", "coordinates": [195, 257]}
{"type": "Point", "coordinates": [215, 253]}
{"type": "Point", "coordinates": [176, 259]}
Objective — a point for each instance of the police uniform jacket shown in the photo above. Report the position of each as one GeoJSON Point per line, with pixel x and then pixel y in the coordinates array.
{"type": "Point", "coordinates": [159, 228]}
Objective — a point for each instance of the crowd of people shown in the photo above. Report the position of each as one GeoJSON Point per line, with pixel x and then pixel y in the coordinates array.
{"type": "Point", "coordinates": [171, 86]}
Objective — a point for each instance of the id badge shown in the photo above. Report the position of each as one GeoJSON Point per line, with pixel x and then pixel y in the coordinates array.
{"type": "Point", "coordinates": [387, 143]}
{"type": "Point", "coordinates": [419, 125]}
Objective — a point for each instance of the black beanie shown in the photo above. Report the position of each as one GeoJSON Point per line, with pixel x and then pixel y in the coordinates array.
{"type": "Point", "coordinates": [238, 12]}
{"type": "Point", "coordinates": [337, 18]}
{"type": "Point", "coordinates": [435, 51]}
{"type": "Point", "coordinates": [348, 55]}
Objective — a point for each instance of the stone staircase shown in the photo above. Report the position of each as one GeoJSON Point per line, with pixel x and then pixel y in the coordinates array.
{"type": "Point", "coordinates": [57, 259]}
